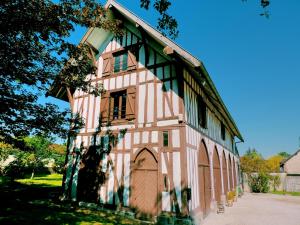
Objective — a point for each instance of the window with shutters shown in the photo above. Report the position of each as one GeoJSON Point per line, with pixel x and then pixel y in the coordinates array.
{"type": "Point", "coordinates": [120, 62]}
{"type": "Point", "coordinates": [118, 105]}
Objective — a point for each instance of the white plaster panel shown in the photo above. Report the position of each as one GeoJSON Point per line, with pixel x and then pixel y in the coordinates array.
{"type": "Point", "coordinates": [112, 83]}
{"type": "Point", "coordinates": [128, 141]}
{"type": "Point", "coordinates": [145, 136]}
{"type": "Point", "coordinates": [97, 111]}
{"type": "Point", "coordinates": [119, 81]}
{"type": "Point", "coordinates": [91, 111]}
{"type": "Point", "coordinates": [177, 176]}
{"type": "Point", "coordinates": [119, 172]}
{"type": "Point", "coordinates": [105, 84]}
{"type": "Point", "coordinates": [154, 137]}
{"type": "Point", "coordinates": [159, 100]}
{"type": "Point", "coordinates": [166, 205]}
{"type": "Point", "coordinates": [142, 76]}
{"type": "Point", "coordinates": [163, 164]}
{"type": "Point", "coordinates": [176, 138]}
{"type": "Point", "coordinates": [110, 186]}
{"type": "Point", "coordinates": [150, 107]}
{"type": "Point", "coordinates": [133, 79]}
{"type": "Point", "coordinates": [126, 80]}
{"type": "Point", "coordinates": [126, 179]}
{"type": "Point", "coordinates": [136, 138]}
{"type": "Point", "coordinates": [141, 108]}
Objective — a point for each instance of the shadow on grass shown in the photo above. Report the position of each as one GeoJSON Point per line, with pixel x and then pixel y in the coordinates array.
{"type": "Point", "coordinates": [39, 204]}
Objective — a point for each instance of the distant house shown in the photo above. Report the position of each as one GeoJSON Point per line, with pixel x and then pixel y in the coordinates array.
{"type": "Point", "coordinates": [291, 165]}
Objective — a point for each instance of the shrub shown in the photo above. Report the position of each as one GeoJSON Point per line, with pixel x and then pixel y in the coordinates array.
{"type": "Point", "coordinates": [275, 182]}
{"type": "Point", "coordinates": [259, 183]}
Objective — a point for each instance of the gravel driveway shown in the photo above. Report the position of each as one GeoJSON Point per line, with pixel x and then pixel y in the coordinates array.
{"type": "Point", "coordinates": [259, 209]}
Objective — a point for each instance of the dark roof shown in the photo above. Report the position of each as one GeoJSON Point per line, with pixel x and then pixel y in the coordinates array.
{"type": "Point", "coordinates": [287, 159]}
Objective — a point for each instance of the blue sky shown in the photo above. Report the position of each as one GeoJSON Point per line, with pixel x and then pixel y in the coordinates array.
{"type": "Point", "coordinates": [253, 61]}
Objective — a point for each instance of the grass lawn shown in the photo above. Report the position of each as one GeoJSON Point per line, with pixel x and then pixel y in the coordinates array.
{"type": "Point", "coordinates": [286, 193]}
{"type": "Point", "coordinates": [36, 202]}
{"type": "Point", "coordinates": [54, 180]}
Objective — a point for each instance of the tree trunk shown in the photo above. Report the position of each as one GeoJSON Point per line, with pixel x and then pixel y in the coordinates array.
{"type": "Point", "coordinates": [32, 174]}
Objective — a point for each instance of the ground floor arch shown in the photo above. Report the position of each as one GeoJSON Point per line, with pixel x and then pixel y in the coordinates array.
{"type": "Point", "coordinates": [225, 174]}
{"type": "Point", "coordinates": [217, 175]}
{"type": "Point", "coordinates": [144, 184]}
{"type": "Point", "coordinates": [204, 179]}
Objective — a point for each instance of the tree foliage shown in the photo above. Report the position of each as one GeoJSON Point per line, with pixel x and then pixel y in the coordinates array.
{"type": "Point", "coordinates": [36, 153]}
{"type": "Point", "coordinates": [34, 52]}
{"type": "Point", "coordinates": [284, 154]}
{"type": "Point", "coordinates": [273, 163]}
{"type": "Point", "coordinates": [252, 162]}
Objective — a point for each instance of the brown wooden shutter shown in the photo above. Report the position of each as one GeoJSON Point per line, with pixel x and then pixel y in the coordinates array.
{"type": "Point", "coordinates": [107, 65]}
{"type": "Point", "coordinates": [104, 106]}
{"type": "Point", "coordinates": [130, 103]}
{"type": "Point", "coordinates": [131, 61]}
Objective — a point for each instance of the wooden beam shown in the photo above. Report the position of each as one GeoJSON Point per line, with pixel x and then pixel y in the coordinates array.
{"type": "Point", "coordinates": [168, 50]}
{"type": "Point", "coordinates": [70, 97]}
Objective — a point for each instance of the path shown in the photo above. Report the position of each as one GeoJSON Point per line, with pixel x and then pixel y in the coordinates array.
{"type": "Point", "coordinates": [259, 209]}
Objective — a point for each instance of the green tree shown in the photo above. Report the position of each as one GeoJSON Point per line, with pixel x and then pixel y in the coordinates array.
{"type": "Point", "coordinates": [253, 162]}
{"type": "Point", "coordinates": [284, 154]}
{"type": "Point", "coordinates": [34, 52]}
{"type": "Point", "coordinates": [39, 149]}
{"type": "Point", "coordinates": [273, 163]}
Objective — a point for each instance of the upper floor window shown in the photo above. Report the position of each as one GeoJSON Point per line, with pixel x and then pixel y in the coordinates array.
{"type": "Point", "coordinates": [120, 62]}
{"type": "Point", "coordinates": [165, 138]}
{"type": "Point", "coordinates": [223, 131]}
{"type": "Point", "coordinates": [118, 105]}
{"type": "Point", "coordinates": [201, 112]}
{"type": "Point", "coordinates": [123, 60]}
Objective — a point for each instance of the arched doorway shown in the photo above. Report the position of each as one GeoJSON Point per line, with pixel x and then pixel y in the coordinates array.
{"type": "Point", "coordinates": [144, 194]}
{"type": "Point", "coordinates": [225, 177]}
{"type": "Point", "coordinates": [234, 175]}
{"type": "Point", "coordinates": [217, 175]}
{"type": "Point", "coordinates": [230, 173]}
{"type": "Point", "coordinates": [204, 179]}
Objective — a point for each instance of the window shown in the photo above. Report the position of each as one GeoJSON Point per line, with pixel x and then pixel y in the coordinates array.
{"type": "Point", "coordinates": [120, 62]}
{"type": "Point", "coordinates": [165, 138]}
{"type": "Point", "coordinates": [201, 112]}
{"type": "Point", "coordinates": [118, 105]}
{"type": "Point", "coordinates": [223, 131]}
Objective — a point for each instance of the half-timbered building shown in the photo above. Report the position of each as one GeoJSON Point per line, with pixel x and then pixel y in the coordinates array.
{"type": "Point", "coordinates": [178, 152]}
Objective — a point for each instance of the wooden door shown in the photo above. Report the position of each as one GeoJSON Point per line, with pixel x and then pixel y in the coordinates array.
{"type": "Point", "coordinates": [217, 176]}
{"type": "Point", "coordinates": [230, 174]}
{"type": "Point", "coordinates": [204, 179]}
{"type": "Point", "coordinates": [234, 175]}
{"type": "Point", "coordinates": [144, 191]}
{"type": "Point", "coordinates": [225, 177]}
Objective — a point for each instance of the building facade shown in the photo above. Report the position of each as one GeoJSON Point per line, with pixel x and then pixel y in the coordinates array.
{"type": "Point", "coordinates": [175, 147]}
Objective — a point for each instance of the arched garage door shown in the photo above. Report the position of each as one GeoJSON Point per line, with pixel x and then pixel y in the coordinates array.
{"type": "Point", "coordinates": [217, 175]}
{"type": "Point", "coordinates": [204, 179]}
{"type": "Point", "coordinates": [230, 173]}
{"type": "Point", "coordinates": [225, 177]}
{"type": "Point", "coordinates": [234, 174]}
{"type": "Point", "coordinates": [144, 184]}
